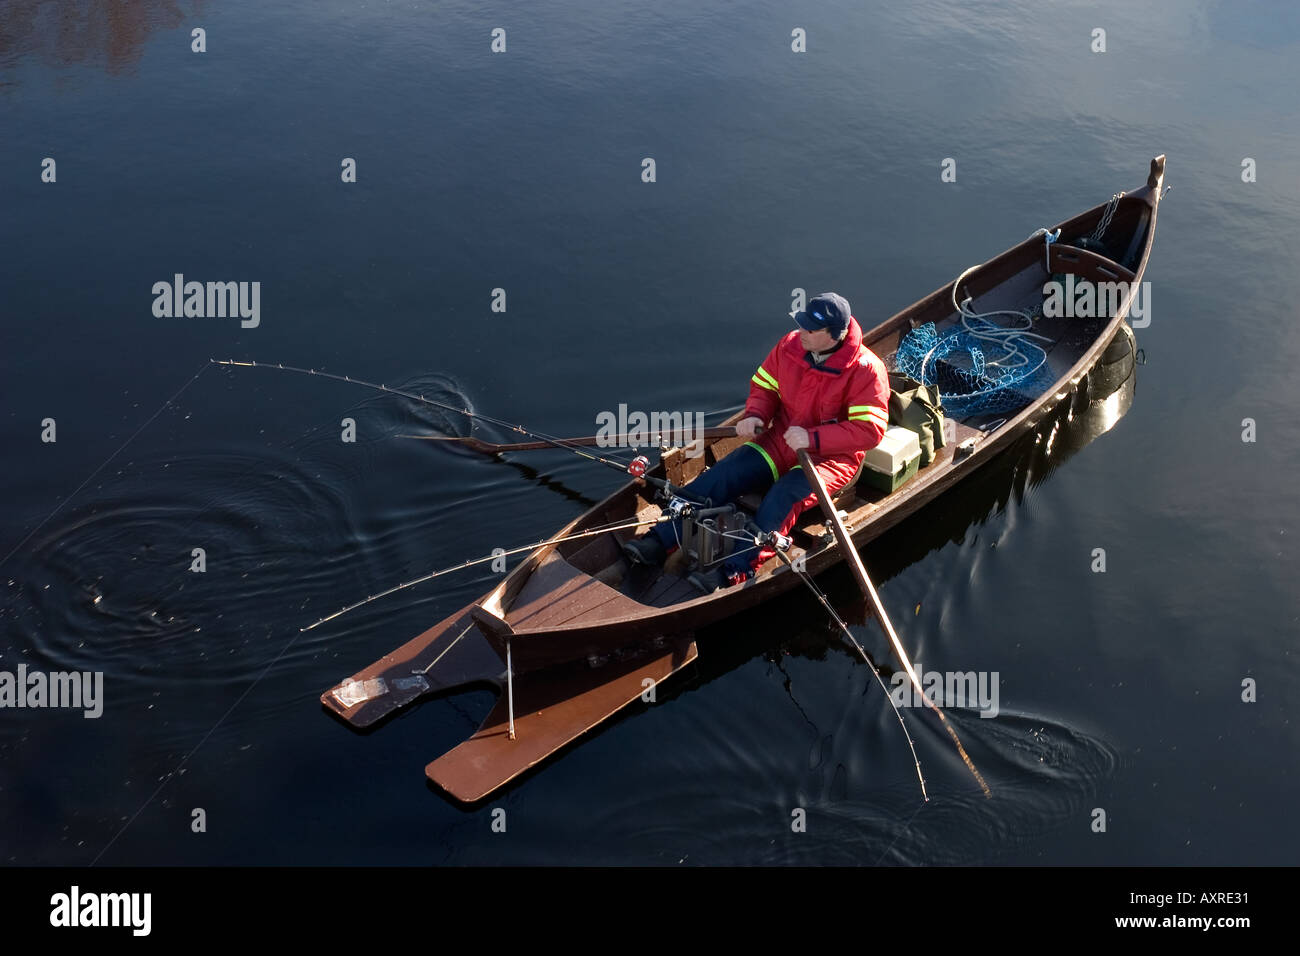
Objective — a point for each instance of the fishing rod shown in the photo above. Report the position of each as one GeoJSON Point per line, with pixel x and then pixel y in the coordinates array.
{"type": "Point", "coordinates": [491, 557]}
{"type": "Point", "coordinates": [478, 416]}
{"type": "Point", "coordinates": [634, 439]}
{"type": "Point", "coordinates": [758, 536]}
{"type": "Point", "coordinates": [844, 628]}
{"type": "Point", "coordinates": [637, 468]}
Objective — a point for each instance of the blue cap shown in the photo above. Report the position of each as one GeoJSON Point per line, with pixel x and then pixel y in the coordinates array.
{"type": "Point", "coordinates": [829, 311]}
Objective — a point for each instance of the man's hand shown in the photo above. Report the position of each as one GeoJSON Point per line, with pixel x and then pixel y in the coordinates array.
{"type": "Point", "coordinates": [796, 437]}
{"type": "Point", "coordinates": [748, 427]}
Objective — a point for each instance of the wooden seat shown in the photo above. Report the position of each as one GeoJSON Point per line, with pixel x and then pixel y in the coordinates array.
{"type": "Point", "coordinates": [559, 594]}
{"type": "Point", "coordinates": [1089, 265]}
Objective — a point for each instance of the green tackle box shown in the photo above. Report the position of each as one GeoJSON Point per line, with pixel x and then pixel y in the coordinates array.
{"type": "Point", "coordinates": [892, 462]}
{"type": "Point", "coordinates": [887, 483]}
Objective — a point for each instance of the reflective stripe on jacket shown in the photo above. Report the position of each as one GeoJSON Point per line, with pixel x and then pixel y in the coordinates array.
{"type": "Point", "coordinates": [843, 403]}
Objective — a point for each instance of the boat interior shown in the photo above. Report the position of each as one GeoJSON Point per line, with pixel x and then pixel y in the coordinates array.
{"type": "Point", "coordinates": [589, 579]}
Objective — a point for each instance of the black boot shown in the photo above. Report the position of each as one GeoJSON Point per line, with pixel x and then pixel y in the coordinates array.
{"type": "Point", "coordinates": [647, 550]}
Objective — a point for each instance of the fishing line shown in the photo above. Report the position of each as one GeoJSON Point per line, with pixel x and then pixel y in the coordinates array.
{"type": "Point", "coordinates": [170, 585]}
{"type": "Point", "coordinates": [180, 766]}
{"type": "Point", "coordinates": [425, 670]}
{"type": "Point", "coordinates": [148, 421]}
{"type": "Point", "coordinates": [911, 673]}
{"type": "Point", "coordinates": [840, 623]}
{"type": "Point", "coordinates": [724, 411]}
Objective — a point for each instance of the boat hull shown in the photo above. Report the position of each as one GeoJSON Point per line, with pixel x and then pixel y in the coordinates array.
{"type": "Point", "coordinates": [580, 644]}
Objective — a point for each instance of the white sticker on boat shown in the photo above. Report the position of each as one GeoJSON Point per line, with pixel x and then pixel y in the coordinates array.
{"type": "Point", "coordinates": [356, 691]}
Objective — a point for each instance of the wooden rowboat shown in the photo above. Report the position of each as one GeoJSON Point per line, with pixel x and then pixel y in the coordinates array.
{"type": "Point", "coordinates": [574, 633]}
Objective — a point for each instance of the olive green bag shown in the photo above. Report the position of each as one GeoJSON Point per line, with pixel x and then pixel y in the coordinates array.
{"type": "Point", "coordinates": [916, 407]}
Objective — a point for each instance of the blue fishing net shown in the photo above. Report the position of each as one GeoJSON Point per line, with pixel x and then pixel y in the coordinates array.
{"type": "Point", "coordinates": [979, 366]}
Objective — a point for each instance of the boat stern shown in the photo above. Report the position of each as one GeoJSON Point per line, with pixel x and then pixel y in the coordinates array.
{"type": "Point", "coordinates": [451, 654]}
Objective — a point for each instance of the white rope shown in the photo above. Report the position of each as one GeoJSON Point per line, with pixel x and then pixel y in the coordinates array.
{"type": "Point", "coordinates": [1012, 339]}
{"type": "Point", "coordinates": [1050, 237]}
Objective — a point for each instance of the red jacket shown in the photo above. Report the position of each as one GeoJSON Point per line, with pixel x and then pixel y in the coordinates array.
{"type": "Point", "coordinates": [843, 403]}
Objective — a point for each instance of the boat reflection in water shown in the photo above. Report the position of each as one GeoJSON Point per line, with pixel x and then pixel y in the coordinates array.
{"type": "Point", "coordinates": [1100, 400]}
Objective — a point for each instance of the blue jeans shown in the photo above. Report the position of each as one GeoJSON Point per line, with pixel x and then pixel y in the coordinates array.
{"type": "Point", "coordinates": [743, 471]}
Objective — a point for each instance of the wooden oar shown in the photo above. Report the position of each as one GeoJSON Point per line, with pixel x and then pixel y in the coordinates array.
{"type": "Point", "coordinates": [646, 440]}
{"type": "Point", "coordinates": [854, 561]}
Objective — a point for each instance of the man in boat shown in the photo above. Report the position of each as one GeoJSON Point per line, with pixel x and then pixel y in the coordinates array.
{"type": "Point", "coordinates": [819, 388]}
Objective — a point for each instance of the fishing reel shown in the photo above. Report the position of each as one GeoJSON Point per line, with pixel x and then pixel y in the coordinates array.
{"type": "Point", "coordinates": [774, 539]}
{"type": "Point", "coordinates": [679, 507]}
{"type": "Point", "coordinates": [768, 539]}
{"type": "Point", "coordinates": [638, 466]}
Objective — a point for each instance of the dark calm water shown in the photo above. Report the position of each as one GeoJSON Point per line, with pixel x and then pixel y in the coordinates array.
{"type": "Point", "coordinates": [775, 170]}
